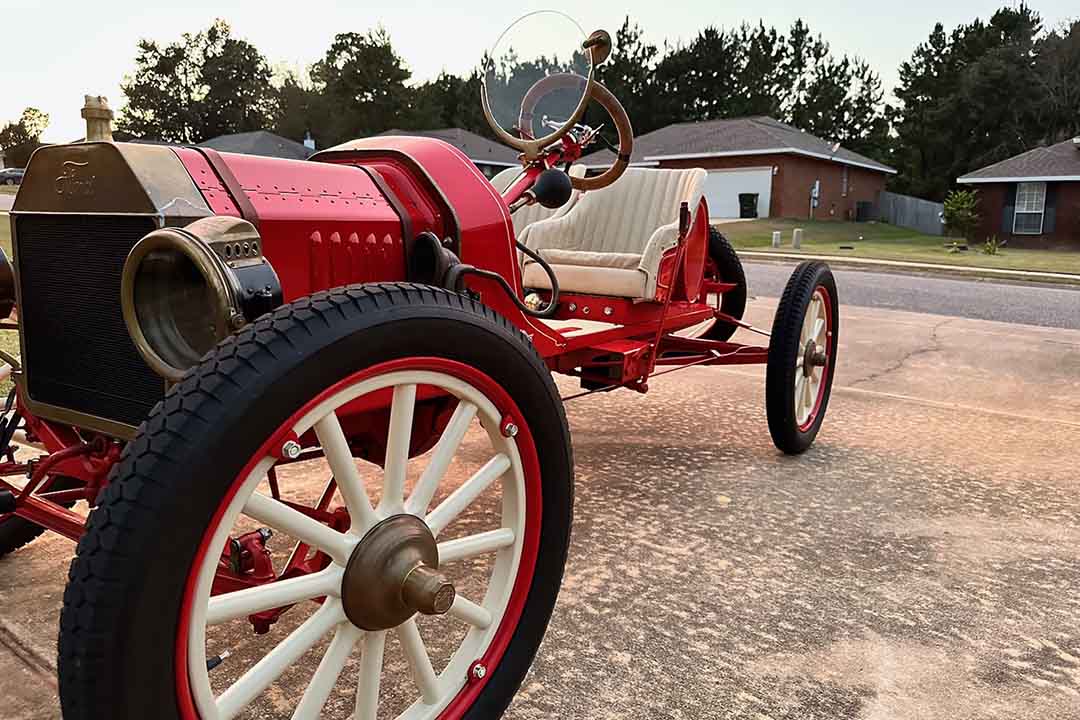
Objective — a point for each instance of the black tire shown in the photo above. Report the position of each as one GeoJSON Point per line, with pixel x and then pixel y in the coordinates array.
{"type": "Point", "coordinates": [123, 600]}
{"type": "Point", "coordinates": [728, 269]}
{"type": "Point", "coordinates": [784, 350]}
{"type": "Point", "coordinates": [15, 532]}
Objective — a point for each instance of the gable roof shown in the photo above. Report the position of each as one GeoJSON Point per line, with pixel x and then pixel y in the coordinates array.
{"type": "Point", "coordinates": [478, 148]}
{"type": "Point", "coordinates": [736, 136]}
{"type": "Point", "coordinates": [1057, 162]}
{"type": "Point", "coordinates": [259, 142]}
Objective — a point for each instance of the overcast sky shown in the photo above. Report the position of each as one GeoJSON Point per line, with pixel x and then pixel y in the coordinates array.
{"type": "Point", "coordinates": [52, 53]}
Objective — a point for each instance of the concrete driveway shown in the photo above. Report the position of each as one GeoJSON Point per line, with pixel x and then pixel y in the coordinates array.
{"type": "Point", "coordinates": [919, 562]}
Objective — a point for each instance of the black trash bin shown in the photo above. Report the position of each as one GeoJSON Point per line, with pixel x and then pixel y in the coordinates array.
{"type": "Point", "coordinates": [748, 205]}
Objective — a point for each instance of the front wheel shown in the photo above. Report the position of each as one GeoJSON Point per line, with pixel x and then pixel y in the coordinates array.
{"type": "Point", "coordinates": [802, 357]}
{"type": "Point", "coordinates": [359, 506]}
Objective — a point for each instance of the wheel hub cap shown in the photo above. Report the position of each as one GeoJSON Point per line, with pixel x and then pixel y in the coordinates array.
{"type": "Point", "coordinates": [812, 358]}
{"type": "Point", "coordinates": [394, 573]}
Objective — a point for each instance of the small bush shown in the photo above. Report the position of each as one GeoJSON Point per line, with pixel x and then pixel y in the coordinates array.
{"type": "Point", "coordinates": [962, 213]}
{"type": "Point", "coordinates": [991, 246]}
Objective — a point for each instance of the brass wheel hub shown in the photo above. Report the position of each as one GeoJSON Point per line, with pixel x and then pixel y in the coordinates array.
{"type": "Point", "coordinates": [393, 574]}
{"type": "Point", "coordinates": [812, 358]}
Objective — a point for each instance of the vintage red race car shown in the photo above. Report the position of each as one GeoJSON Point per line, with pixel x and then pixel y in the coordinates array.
{"type": "Point", "coordinates": [197, 326]}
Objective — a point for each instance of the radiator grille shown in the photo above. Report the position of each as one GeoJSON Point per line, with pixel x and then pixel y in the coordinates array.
{"type": "Point", "coordinates": [76, 348]}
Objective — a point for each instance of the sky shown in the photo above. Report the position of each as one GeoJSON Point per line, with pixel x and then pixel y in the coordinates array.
{"type": "Point", "coordinates": [53, 53]}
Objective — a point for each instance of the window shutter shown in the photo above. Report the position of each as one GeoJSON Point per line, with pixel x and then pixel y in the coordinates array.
{"type": "Point", "coordinates": [1051, 208]}
{"type": "Point", "coordinates": [1010, 209]}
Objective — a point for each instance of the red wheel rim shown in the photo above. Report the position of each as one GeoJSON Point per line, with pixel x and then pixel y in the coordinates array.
{"type": "Point", "coordinates": [522, 581]}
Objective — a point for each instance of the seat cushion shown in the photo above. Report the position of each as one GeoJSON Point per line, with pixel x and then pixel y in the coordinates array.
{"type": "Point", "coordinates": [584, 258]}
{"type": "Point", "coordinates": [627, 227]}
{"type": "Point", "coordinates": [614, 282]}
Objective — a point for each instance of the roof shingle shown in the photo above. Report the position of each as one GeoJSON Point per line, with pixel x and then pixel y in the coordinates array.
{"type": "Point", "coordinates": [476, 147]}
{"type": "Point", "coordinates": [259, 142]}
{"type": "Point", "coordinates": [1056, 161]}
{"type": "Point", "coordinates": [731, 137]}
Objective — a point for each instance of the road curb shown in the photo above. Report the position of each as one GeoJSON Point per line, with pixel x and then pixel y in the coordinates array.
{"type": "Point", "coordinates": [1027, 276]}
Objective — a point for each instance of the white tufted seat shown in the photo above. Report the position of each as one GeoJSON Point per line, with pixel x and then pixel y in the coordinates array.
{"type": "Point", "coordinates": [536, 212]}
{"type": "Point", "coordinates": [612, 240]}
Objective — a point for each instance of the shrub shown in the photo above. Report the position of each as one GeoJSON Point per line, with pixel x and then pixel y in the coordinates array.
{"type": "Point", "coordinates": [962, 213]}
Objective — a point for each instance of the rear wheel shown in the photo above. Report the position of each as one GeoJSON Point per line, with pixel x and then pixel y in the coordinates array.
{"type": "Point", "coordinates": [465, 542]}
{"type": "Point", "coordinates": [723, 265]}
{"type": "Point", "coordinates": [802, 357]}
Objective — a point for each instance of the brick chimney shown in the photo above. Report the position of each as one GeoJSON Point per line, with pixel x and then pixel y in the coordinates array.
{"type": "Point", "coordinates": [98, 118]}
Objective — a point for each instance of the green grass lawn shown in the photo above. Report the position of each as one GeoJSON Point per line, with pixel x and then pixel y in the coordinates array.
{"type": "Point", "coordinates": [879, 241]}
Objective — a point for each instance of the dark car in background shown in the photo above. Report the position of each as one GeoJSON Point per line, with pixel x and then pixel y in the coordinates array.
{"type": "Point", "coordinates": [11, 176]}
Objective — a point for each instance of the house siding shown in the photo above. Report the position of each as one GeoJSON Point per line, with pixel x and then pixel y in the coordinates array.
{"type": "Point", "coordinates": [995, 206]}
{"type": "Point", "coordinates": [794, 176]}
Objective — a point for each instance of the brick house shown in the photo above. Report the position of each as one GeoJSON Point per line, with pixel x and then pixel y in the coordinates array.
{"type": "Point", "coordinates": [1032, 199]}
{"type": "Point", "coordinates": [777, 168]}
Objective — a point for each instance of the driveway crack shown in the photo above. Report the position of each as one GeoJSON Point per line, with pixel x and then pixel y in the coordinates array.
{"type": "Point", "coordinates": [934, 345]}
{"type": "Point", "coordinates": [27, 653]}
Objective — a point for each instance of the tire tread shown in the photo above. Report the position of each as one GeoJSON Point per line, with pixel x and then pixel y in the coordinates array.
{"type": "Point", "coordinates": [101, 569]}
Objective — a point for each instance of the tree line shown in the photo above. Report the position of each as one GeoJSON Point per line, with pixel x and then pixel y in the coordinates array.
{"type": "Point", "coordinates": [967, 97]}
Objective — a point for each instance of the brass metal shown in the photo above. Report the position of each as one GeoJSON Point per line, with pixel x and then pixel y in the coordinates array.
{"type": "Point", "coordinates": [393, 574]}
{"type": "Point", "coordinates": [109, 179]}
{"type": "Point", "coordinates": [101, 178]}
{"type": "Point", "coordinates": [813, 358]}
{"type": "Point", "coordinates": [428, 591]}
{"type": "Point", "coordinates": [214, 245]}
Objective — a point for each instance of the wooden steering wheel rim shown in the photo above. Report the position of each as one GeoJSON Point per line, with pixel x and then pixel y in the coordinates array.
{"type": "Point", "coordinates": [608, 101]}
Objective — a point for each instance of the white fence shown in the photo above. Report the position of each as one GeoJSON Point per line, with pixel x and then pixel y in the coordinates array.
{"type": "Point", "coordinates": [912, 212]}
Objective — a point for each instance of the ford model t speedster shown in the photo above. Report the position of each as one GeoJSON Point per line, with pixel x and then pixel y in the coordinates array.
{"type": "Point", "coordinates": [199, 330]}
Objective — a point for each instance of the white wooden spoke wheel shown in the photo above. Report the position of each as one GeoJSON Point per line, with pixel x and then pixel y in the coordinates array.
{"type": "Point", "coordinates": [812, 359]}
{"type": "Point", "coordinates": [215, 580]}
{"type": "Point", "coordinates": [802, 357]}
{"type": "Point", "coordinates": [363, 628]}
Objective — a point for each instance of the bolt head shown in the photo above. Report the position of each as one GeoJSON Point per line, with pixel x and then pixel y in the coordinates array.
{"type": "Point", "coordinates": [510, 430]}
{"type": "Point", "coordinates": [609, 311]}
{"type": "Point", "coordinates": [479, 671]}
{"type": "Point", "coordinates": [291, 450]}
{"type": "Point", "coordinates": [572, 307]}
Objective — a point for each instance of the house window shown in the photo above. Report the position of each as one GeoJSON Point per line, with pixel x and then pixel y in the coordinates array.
{"type": "Point", "coordinates": [1030, 208]}
{"type": "Point", "coordinates": [844, 182]}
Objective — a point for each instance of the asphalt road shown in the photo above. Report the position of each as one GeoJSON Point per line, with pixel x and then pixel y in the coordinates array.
{"type": "Point", "coordinates": [919, 562]}
{"type": "Point", "coordinates": [1029, 304]}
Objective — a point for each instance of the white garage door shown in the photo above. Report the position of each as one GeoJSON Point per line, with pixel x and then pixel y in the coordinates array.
{"type": "Point", "coordinates": [723, 187]}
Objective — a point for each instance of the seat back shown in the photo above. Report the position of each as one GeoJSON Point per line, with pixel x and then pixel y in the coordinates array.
{"type": "Point", "coordinates": [622, 218]}
{"type": "Point", "coordinates": [526, 216]}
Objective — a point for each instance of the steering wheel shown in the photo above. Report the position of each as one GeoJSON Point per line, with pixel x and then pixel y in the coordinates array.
{"type": "Point", "coordinates": [599, 47]}
{"type": "Point", "coordinates": [610, 103]}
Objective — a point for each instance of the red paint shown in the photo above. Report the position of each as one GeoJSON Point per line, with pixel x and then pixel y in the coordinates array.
{"type": "Point", "coordinates": [530, 541]}
{"type": "Point", "coordinates": [302, 206]}
{"type": "Point", "coordinates": [327, 223]}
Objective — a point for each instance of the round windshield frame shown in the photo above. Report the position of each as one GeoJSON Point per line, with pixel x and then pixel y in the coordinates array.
{"type": "Point", "coordinates": [533, 148]}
